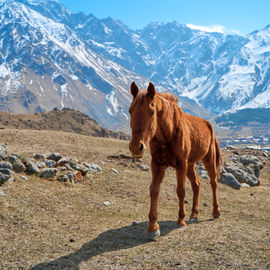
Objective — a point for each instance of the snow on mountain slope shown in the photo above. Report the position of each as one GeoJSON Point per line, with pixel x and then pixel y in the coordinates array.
{"type": "Point", "coordinates": [45, 64]}
{"type": "Point", "coordinates": [50, 57]}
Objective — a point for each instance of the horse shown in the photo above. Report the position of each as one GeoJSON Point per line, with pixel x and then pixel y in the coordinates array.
{"type": "Point", "coordinates": [177, 140]}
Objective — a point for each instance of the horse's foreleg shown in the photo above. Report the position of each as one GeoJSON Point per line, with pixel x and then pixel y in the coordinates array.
{"type": "Point", "coordinates": [195, 183]}
{"type": "Point", "coordinates": [181, 173]}
{"type": "Point", "coordinates": [157, 177]}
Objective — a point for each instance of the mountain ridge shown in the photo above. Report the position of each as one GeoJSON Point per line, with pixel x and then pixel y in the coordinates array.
{"type": "Point", "coordinates": [50, 57]}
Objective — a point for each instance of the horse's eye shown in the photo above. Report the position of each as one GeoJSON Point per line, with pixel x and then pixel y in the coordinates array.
{"type": "Point", "coordinates": [152, 113]}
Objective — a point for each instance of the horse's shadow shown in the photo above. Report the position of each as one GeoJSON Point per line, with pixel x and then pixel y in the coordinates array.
{"type": "Point", "coordinates": [111, 240]}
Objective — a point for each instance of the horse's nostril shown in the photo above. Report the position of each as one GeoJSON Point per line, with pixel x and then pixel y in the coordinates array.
{"type": "Point", "coordinates": [140, 147]}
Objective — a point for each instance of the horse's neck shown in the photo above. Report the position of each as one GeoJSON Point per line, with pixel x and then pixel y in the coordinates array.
{"type": "Point", "coordinates": [166, 122]}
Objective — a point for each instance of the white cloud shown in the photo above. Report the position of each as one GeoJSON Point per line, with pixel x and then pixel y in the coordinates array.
{"type": "Point", "coordinates": [213, 29]}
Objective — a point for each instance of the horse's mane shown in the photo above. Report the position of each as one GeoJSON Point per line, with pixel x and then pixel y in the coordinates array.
{"type": "Point", "coordinates": [169, 97]}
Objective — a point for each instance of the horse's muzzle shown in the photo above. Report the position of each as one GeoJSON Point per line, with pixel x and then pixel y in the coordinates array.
{"type": "Point", "coordinates": [137, 150]}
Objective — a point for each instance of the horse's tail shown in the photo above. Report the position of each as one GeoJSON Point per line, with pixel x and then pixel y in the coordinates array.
{"type": "Point", "coordinates": [216, 150]}
{"type": "Point", "coordinates": [219, 159]}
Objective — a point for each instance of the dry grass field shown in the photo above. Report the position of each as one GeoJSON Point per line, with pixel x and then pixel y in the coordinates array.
{"type": "Point", "coordinates": [52, 225]}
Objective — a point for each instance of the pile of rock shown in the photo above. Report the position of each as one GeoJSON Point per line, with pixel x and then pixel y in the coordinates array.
{"type": "Point", "coordinates": [239, 171]}
{"type": "Point", "coordinates": [52, 166]}
{"type": "Point", "coordinates": [242, 170]}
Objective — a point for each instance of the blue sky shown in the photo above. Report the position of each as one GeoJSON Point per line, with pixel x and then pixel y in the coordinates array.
{"type": "Point", "coordinates": [244, 16]}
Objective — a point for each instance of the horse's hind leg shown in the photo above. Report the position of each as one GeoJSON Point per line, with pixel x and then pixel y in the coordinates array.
{"type": "Point", "coordinates": [195, 184]}
{"type": "Point", "coordinates": [209, 162]}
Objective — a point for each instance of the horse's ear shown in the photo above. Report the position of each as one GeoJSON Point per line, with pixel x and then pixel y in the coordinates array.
{"type": "Point", "coordinates": [134, 90]}
{"type": "Point", "coordinates": [151, 90]}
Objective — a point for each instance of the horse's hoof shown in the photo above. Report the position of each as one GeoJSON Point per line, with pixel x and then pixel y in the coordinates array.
{"type": "Point", "coordinates": [216, 215]}
{"type": "Point", "coordinates": [181, 224]}
{"type": "Point", "coordinates": [154, 235]}
{"type": "Point", "coordinates": [193, 220]}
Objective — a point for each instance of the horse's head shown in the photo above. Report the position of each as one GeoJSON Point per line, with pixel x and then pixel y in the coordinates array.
{"type": "Point", "coordinates": [143, 118]}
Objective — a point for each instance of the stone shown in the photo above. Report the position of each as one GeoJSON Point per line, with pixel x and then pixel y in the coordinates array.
{"type": "Point", "coordinates": [245, 185]}
{"type": "Point", "coordinates": [3, 178]}
{"type": "Point", "coordinates": [242, 176]}
{"type": "Point", "coordinates": [54, 156]}
{"type": "Point", "coordinates": [10, 179]}
{"type": "Point", "coordinates": [31, 168]}
{"type": "Point", "coordinates": [247, 160]}
{"type": "Point", "coordinates": [17, 165]}
{"type": "Point", "coordinates": [134, 223]}
{"type": "Point", "coordinates": [229, 180]}
{"type": "Point", "coordinates": [63, 178]}
{"type": "Point", "coordinates": [40, 164]}
{"type": "Point", "coordinates": [39, 156]}
{"type": "Point", "coordinates": [48, 172]}
{"type": "Point", "coordinates": [6, 171]}
{"type": "Point", "coordinates": [106, 203]}
{"type": "Point", "coordinates": [2, 193]}
{"type": "Point", "coordinates": [143, 167]}
{"type": "Point", "coordinates": [3, 150]}
{"type": "Point", "coordinates": [235, 152]}
{"type": "Point", "coordinates": [23, 177]}
{"type": "Point", "coordinates": [62, 161]}
{"type": "Point", "coordinates": [114, 170]}
{"type": "Point", "coordinates": [93, 167]}
{"type": "Point", "coordinates": [5, 165]}
{"type": "Point", "coordinates": [79, 167]}
{"type": "Point", "coordinates": [50, 163]}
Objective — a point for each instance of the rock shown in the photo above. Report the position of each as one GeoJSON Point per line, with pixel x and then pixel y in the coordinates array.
{"type": "Point", "coordinates": [205, 204]}
{"type": "Point", "coordinates": [2, 192]}
{"type": "Point", "coordinates": [106, 203]}
{"type": "Point", "coordinates": [245, 185]}
{"type": "Point", "coordinates": [23, 177]}
{"type": "Point", "coordinates": [6, 171]}
{"type": "Point", "coordinates": [236, 152]}
{"type": "Point", "coordinates": [39, 156]}
{"type": "Point", "coordinates": [114, 170]}
{"type": "Point", "coordinates": [247, 160]}
{"type": "Point", "coordinates": [54, 156]}
{"type": "Point", "coordinates": [63, 178]}
{"type": "Point", "coordinates": [10, 179]}
{"type": "Point", "coordinates": [17, 165]}
{"type": "Point", "coordinates": [31, 168]}
{"type": "Point", "coordinates": [62, 169]}
{"type": "Point", "coordinates": [143, 167]}
{"type": "Point", "coordinates": [5, 165]}
{"type": "Point", "coordinates": [79, 167]}
{"type": "Point", "coordinates": [3, 178]}
{"type": "Point", "coordinates": [3, 150]}
{"type": "Point", "coordinates": [265, 154]}
{"type": "Point", "coordinates": [50, 163]}
{"type": "Point", "coordinates": [229, 180]}
{"type": "Point", "coordinates": [40, 164]}
{"type": "Point", "coordinates": [62, 162]}
{"type": "Point", "coordinates": [48, 172]}
{"type": "Point", "coordinates": [134, 223]}
{"type": "Point", "coordinates": [93, 167]}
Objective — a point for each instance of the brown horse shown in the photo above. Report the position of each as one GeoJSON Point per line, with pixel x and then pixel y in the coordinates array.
{"type": "Point", "coordinates": [178, 140]}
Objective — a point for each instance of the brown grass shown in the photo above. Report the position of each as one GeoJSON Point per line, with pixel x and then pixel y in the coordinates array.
{"type": "Point", "coordinates": [50, 225]}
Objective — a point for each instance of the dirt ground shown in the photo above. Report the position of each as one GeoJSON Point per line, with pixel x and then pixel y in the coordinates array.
{"type": "Point", "coordinates": [51, 225]}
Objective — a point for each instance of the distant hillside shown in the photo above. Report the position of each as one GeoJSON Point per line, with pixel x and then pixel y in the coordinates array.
{"type": "Point", "coordinates": [63, 120]}
{"type": "Point", "coordinates": [253, 121]}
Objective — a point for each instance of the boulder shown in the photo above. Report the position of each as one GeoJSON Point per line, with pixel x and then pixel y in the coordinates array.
{"type": "Point", "coordinates": [54, 156]}
{"type": "Point", "coordinates": [50, 163]}
{"type": "Point", "coordinates": [31, 168]}
{"type": "Point", "coordinates": [5, 165]}
{"type": "Point", "coordinates": [17, 165]}
{"type": "Point", "coordinates": [229, 180]}
{"type": "Point", "coordinates": [92, 167]}
{"type": "Point", "coordinates": [48, 172]}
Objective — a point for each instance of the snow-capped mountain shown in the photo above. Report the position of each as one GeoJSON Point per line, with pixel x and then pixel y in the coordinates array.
{"type": "Point", "coordinates": [50, 57]}
{"type": "Point", "coordinates": [45, 64]}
